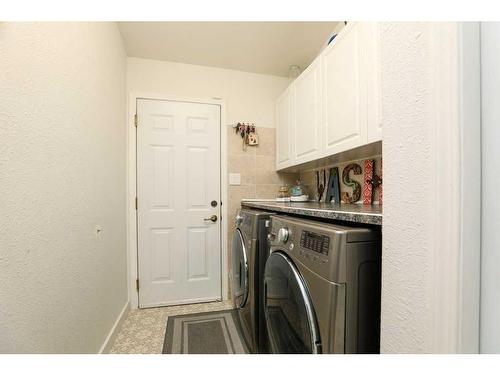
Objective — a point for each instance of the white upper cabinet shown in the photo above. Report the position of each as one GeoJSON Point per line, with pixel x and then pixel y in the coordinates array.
{"type": "Point", "coordinates": [373, 73]}
{"type": "Point", "coordinates": [335, 104]}
{"type": "Point", "coordinates": [307, 114]}
{"type": "Point", "coordinates": [284, 129]}
{"type": "Point", "coordinates": [344, 91]}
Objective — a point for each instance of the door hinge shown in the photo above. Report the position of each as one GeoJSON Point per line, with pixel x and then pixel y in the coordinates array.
{"type": "Point", "coordinates": [136, 203]}
{"type": "Point", "coordinates": [136, 121]}
{"type": "Point", "coordinates": [137, 284]}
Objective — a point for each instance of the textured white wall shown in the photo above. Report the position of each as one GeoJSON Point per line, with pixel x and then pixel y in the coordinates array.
{"type": "Point", "coordinates": [407, 230]}
{"type": "Point", "coordinates": [249, 97]}
{"type": "Point", "coordinates": [62, 172]}
{"type": "Point", "coordinates": [430, 258]}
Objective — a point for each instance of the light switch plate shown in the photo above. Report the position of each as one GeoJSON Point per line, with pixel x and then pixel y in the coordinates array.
{"type": "Point", "coordinates": [234, 179]}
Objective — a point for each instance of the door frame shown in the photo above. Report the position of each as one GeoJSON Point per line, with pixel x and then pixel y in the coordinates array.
{"type": "Point", "coordinates": [456, 143]}
{"type": "Point", "coordinates": [132, 245]}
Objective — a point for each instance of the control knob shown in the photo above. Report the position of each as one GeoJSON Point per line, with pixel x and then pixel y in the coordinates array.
{"type": "Point", "coordinates": [283, 235]}
{"type": "Point", "coordinates": [238, 220]}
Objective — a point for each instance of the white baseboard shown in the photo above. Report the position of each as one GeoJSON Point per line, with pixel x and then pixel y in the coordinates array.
{"type": "Point", "coordinates": [182, 302]}
{"type": "Point", "coordinates": [106, 346]}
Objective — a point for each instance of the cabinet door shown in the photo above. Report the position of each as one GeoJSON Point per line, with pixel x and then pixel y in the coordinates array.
{"type": "Point", "coordinates": [344, 92]}
{"type": "Point", "coordinates": [307, 114]}
{"type": "Point", "coordinates": [284, 130]}
{"type": "Point", "coordinates": [373, 73]}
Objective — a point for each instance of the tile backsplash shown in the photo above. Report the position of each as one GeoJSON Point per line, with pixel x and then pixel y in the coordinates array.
{"type": "Point", "coordinates": [308, 178]}
{"type": "Point", "coordinates": [257, 167]}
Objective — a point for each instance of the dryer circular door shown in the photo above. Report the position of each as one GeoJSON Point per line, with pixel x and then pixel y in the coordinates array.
{"type": "Point", "coordinates": [240, 270]}
{"type": "Point", "coordinates": [290, 318]}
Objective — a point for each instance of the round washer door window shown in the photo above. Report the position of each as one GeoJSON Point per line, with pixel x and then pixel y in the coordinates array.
{"type": "Point", "coordinates": [290, 318]}
{"type": "Point", "coordinates": [240, 270]}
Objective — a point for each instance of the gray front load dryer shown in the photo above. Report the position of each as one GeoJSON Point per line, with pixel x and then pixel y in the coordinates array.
{"type": "Point", "coordinates": [322, 287]}
{"type": "Point", "coordinates": [249, 254]}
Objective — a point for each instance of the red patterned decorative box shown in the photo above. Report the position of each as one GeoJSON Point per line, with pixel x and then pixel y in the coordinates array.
{"type": "Point", "coordinates": [368, 187]}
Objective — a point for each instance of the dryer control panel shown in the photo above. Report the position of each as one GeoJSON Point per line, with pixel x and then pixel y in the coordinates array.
{"type": "Point", "coordinates": [316, 242]}
{"type": "Point", "coordinates": [322, 247]}
{"type": "Point", "coordinates": [312, 245]}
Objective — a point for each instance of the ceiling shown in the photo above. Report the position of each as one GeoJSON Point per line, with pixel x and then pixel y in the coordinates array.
{"type": "Point", "coordinates": [259, 47]}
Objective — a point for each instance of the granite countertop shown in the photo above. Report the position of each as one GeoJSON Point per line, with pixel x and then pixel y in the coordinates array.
{"type": "Point", "coordinates": [357, 213]}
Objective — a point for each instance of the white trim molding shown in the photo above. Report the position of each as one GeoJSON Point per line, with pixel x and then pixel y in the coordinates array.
{"type": "Point", "coordinates": [490, 177]}
{"type": "Point", "coordinates": [456, 142]}
{"type": "Point", "coordinates": [131, 190]}
{"type": "Point", "coordinates": [110, 338]}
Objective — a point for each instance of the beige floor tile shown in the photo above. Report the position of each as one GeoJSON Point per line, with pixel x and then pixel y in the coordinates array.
{"type": "Point", "coordinates": [143, 330]}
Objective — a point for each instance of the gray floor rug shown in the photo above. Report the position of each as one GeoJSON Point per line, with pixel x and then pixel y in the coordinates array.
{"type": "Point", "coordinates": [214, 332]}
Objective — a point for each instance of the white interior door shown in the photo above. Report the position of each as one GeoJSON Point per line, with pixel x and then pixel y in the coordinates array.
{"type": "Point", "coordinates": [178, 177]}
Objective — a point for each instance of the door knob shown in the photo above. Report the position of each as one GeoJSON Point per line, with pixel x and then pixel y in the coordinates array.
{"type": "Point", "coordinates": [212, 218]}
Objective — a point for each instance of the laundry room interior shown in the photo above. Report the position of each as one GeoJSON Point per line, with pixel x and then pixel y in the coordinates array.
{"type": "Point", "coordinates": [292, 187]}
